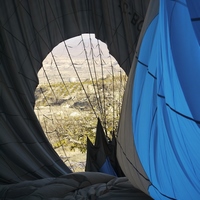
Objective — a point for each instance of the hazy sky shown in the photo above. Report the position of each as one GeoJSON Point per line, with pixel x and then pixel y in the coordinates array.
{"type": "Point", "coordinates": [75, 45]}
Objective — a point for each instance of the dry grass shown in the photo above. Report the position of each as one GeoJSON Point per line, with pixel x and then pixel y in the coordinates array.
{"type": "Point", "coordinates": [68, 119]}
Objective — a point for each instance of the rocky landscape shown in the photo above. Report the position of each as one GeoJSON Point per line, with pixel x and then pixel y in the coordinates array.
{"type": "Point", "coordinates": [70, 98]}
{"type": "Point", "coordinates": [68, 113]}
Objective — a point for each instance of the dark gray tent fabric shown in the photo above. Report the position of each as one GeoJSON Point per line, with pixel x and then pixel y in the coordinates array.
{"type": "Point", "coordinates": [74, 186]}
{"type": "Point", "coordinates": [29, 30]}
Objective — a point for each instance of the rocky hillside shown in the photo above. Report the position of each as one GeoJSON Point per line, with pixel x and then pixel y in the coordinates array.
{"type": "Point", "coordinates": [68, 111]}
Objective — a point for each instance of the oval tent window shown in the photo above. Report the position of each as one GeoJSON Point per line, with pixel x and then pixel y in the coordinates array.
{"type": "Point", "coordinates": [79, 83]}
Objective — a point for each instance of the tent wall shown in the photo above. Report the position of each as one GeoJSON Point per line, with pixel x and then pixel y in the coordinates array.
{"type": "Point", "coordinates": [126, 150]}
{"type": "Point", "coordinates": [160, 115]}
{"type": "Point", "coordinates": [29, 30]}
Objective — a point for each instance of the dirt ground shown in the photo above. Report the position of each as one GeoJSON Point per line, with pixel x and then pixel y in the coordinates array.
{"type": "Point", "coordinates": [75, 159]}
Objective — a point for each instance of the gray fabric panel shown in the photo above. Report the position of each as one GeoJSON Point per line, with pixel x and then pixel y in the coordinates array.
{"type": "Point", "coordinates": [74, 186]}
{"type": "Point", "coordinates": [29, 30]}
{"type": "Point", "coordinates": [126, 151]}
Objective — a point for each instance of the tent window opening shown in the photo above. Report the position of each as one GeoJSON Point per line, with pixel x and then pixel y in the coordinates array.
{"type": "Point", "coordinates": [79, 83]}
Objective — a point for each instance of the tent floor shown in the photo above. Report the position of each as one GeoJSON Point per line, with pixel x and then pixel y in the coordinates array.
{"type": "Point", "coordinates": [83, 185]}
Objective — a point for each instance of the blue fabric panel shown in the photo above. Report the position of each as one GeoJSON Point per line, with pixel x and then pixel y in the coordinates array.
{"type": "Point", "coordinates": [194, 8]}
{"type": "Point", "coordinates": [166, 104]}
{"type": "Point", "coordinates": [185, 52]}
{"type": "Point", "coordinates": [107, 168]}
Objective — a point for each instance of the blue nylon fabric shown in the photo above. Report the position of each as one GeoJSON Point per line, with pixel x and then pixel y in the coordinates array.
{"type": "Point", "coordinates": [194, 7]}
{"type": "Point", "coordinates": [166, 104]}
{"type": "Point", "coordinates": [107, 168]}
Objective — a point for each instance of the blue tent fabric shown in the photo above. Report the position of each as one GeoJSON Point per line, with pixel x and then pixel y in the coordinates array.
{"type": "Point", "coordinates": [165, 102]}
{"type": "Point", "coordinates": [162, 103]}
{"type": "Point", "coordinates": [107, 168]}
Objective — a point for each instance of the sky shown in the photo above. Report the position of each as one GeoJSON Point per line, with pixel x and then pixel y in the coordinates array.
{"type": "Point", "coordinates": [77, 53]}
{"type": "Point", "coordinates": [75, 47]}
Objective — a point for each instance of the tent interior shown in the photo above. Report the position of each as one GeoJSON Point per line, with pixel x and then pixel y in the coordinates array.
{"type": "Point", "coordinates": [156, 147]}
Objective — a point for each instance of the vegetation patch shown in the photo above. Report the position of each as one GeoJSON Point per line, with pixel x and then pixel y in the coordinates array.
{"type": "Point", "coordinates": [68, 111]}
